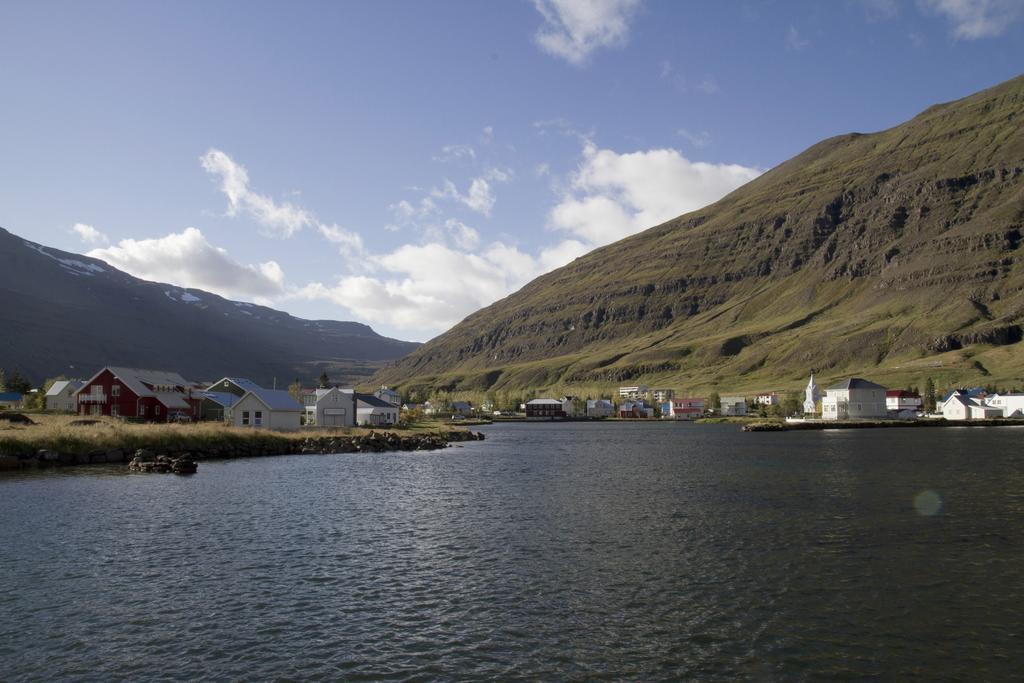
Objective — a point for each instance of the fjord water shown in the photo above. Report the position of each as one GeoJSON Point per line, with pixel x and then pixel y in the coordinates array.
{"type": "Point", "coordinates": [548, 551]}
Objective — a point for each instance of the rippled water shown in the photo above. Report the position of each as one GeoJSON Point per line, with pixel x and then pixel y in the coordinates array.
{"type": "Point", "coordinates": [659, 551]}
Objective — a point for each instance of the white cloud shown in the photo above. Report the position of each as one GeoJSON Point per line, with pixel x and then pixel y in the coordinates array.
{"type": "Point", "coordinates": [279, 219]}
{"type": "Point", "coordinates": [794, 41]}
{"type": "Point", "coordinates": [349, 243]}
{"type": "Point", "coordinates": [974, 19]}
{"type": "Point", "coordinates": [89, 234]}
{"type": "Point", "coordinates": [456, 152]}
{"type": "Point", "coordinates": [465, 237]}
{"type": "Point", "coordinates": [573, 29]}
{"type": "Point", "coordinates": [614, 195]}
{"type": "Point", "coordinates": [479, 196]}
{"type": "Point", "coordinates": [187, 259]}
{"type": "Point", "coordinates": [699, 140]}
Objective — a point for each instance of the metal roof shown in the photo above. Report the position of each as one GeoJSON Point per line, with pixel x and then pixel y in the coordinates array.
{"type": "Point", "coordinates": [854, 383]}
{"type": "Point", "coordinates": [373, 401]}
{"type": "Point", "coordinates": [275, 399]}
{"type": "Point", "coordinates": [10, 396]}
{"type": "Point", "coordinates": [60, 385]}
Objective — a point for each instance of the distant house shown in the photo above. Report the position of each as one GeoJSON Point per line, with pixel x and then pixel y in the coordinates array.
{"type": "Point", "coordinates": [332, 407]}
{"type": "Point", "coordinates": [61, 395]}
{"type": "Point", "coordinates": [639, 391]}
{"type": "Point", "coordinates": [661, 395]}
{"type": "Point", "coordinates": [214, 405]}
{"type": "Point", "coordinates": [463, 408]}
{"type": "Point", "coordinates": [412, 406]}
{"type": "Point", "coordinates": [683, 409]}
{"type": "Point", "coordinates": [1012, 405]}
{"type": "Point", "coordinates": [600, 408]}
{"type": "Point", "coordinates": [573, 406]}
{"type": "Point", "coordinates": [903, 404]}
{"type": "Point", "coordinates": [853, 399]}
{"type": "Point", "coordinates": [238, 386]}
{"type": "Point", "coordinates": [150, 395]}
{"type": "Point", "coordinates": [768, 399]}
{"type": "Point", "coordinates": [733, 406]}
{"type": "Point", "coordinates": [373, 412]}
{"type": "Point", "coordinates": [635, 410]}
{"type": "Point", "coordinates": [961, 406]}
{"type": "Point", "coordinates": [389, 395]}
{"type": "Point", "coordinates": [545, 409]}
{"type": "Point", "coordinates": [10, 399]}
{"type": "Point", "coordinates": [261, 408]}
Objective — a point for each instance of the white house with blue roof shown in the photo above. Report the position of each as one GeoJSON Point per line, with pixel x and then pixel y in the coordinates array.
{"type": "Point", "coordinates": [257, 407]}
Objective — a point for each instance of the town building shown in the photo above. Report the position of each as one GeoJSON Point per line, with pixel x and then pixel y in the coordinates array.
{"type": "Point", "coordinates": [260, 408]}
{"type": "Point", "coordinates": [635, 410]}
{"type": "Point", "coordinates": [149, 395]}
{"type": "Point", "coordinates": [545, 409]}
{"type": "Point", "coordinates": [768, 399]}
{"type": "Point", "coordinates": [1012, 405]}
{"type": "Point", "coordinates": [683, 409]}
{"type": "Point", "coordinates": [389, 395]}
{"type": "Point", "coordinates": [633, 393]}
{"type": "Point", "coordinates": [661, 395]}
{"type": "Point", "coordinates": [214, 405]}
{"type": "Point", "coordinates": [464, 408]}
{"type": "Point", "coordinates": [573, 406]}
{"type": "Point", "coordinates": [811, 397]}
{"type": "Point", "coordinates": [733, 406]}
{"type": "Point", "coordinates": [903, 404]}
{"type": "Point", "coordinates": [61, 395]}
{"type": "Point", "coordinates": [600, 408]}
{"type": "Point", "coordinates": [373, 412]}
{"type": "Point", "coordinates": [960, 405]}
{"type": "Point", "coordinates": [852, 399]}
{"type": "Point", "coordinates": [332, 407]}
{"type": "Point", "coordinates": [11, 399]}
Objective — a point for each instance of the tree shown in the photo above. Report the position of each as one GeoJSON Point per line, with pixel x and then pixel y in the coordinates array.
{"type": "Point", "coordinates": [715, 402]}
{"type": "Point", "coordinates": [18, 384]}
{"type": "Point", "coordinates": [295, 390]}
{"type": "Point", "coordinates": [929, 396]}
{"type": "Point", "coordinates": [791, 405]}
{"type": "Point", "coordinates": [324, 379]}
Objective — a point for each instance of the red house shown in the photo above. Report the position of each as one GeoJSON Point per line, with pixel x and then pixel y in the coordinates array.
{"type": "Point", "coordinates": [151, 395]}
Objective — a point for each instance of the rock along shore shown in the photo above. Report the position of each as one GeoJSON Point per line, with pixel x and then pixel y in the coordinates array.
{"type": "Point", "coordinates": [183, 460]}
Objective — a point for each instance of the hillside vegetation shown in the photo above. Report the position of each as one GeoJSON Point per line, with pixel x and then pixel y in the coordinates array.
{"type": "Point", "coordinates": [895, 255]}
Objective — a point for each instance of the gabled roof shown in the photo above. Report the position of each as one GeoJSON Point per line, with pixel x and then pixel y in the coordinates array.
{"type": "Point", "coordinates": [544, 402]}
{"type": "Point", "coordinates": [136, 379]}
{"type": "Point", "coordinates": [901, 393]}
{"type": "Point", "coordinates": [854, 383]}
{"type": "Point", "coordinates": [373, 401]}
{"type": "Point", "coordinates": [60, 385]}
{"type": "Point", "coordinates": [223, 398]}
{"type": "Point", "coordinates": [275, 399]}
{"type": "Point", "coordinates": [241, 382]}
{"type": "Point", "coordinates": [461, 405]}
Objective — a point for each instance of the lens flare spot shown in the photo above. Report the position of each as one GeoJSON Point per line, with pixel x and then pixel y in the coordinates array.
{"type": "Point", "coordinates": [927, 503]}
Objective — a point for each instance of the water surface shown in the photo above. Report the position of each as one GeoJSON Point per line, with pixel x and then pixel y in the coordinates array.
{"type": "Point", "coordinates": [549, 551]}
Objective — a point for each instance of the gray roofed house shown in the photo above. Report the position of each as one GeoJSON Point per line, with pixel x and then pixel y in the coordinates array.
{"type": "Point", "coordinates": [373, 411]}
{"type": "Point", "coordinates": [854, 383]}
{"type": "Point", "coordinates": [266, 408]}
{"type": "Point", "coordinates": [61, 395]}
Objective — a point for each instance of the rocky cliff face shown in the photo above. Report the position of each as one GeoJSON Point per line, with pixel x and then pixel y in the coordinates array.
{"type": "Point", "coordinates": [866, 253]}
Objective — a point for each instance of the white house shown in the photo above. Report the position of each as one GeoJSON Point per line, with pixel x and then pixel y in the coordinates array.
{"type": "Point", "coordinates": [633, 393]}
{"type": "Point", "coordinates": [61, 395]}
{"type": "Point", "coordinates": [903, 404]}
{"type": "Point", "coordinates": [332, 407]}
{"type": "Point", "coordinates": [600, 408]}
{"type": "Point", "coordinates": [1012, 405]}
{"type": "Point", "coordinates": [811, 396]}
{"type": "Point", "coordinates": [959, 406]}
{"type": "Point", "coordinates": [768, 399]}
{"type": "Point", "coordinates": [733, 405]}
{"type": "Point", "coordinates": [389, 395]}
{"type": "Point", "coordinates": [661, 395]}
{"type": "Point", "coordinates": [261, 408]}
{"type": "Point", "coordinates": [573, 406]}
{"type": "Point", "coordinates": [373, 412]}
{"type": "Point", "coordinates": [852, 399]}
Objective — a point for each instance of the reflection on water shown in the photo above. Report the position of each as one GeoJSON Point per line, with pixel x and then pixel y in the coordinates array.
{"type": "Point", "coordinates": [658, 551]}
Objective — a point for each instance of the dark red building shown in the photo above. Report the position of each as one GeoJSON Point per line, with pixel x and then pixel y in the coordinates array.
{"type": "Point", "coordinates": [151, 395]}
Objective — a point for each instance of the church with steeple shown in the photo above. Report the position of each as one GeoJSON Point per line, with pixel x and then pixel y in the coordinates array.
{"type": "Point", "coordinates": [811, 396]}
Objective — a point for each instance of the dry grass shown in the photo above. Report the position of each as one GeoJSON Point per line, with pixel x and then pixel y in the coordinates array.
{"type": "Point", "coordinates": [58, 433]}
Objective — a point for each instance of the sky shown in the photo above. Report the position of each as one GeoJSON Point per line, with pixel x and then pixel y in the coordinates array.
{"type": "Point", "coordinates": [404, 164]}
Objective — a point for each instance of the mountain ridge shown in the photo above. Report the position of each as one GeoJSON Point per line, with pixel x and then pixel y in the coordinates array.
{"type": "Point", "coordinates": [884, 252]}
{"type": "Point", "coordinates": [66, 313]}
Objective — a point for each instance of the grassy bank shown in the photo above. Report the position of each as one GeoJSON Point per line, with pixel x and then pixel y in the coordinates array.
{"type": "Point", "coordinates": [75, 434]}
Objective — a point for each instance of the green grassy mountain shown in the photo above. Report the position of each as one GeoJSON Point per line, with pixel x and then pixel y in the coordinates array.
{"type": "Point", "coordinates": [894, 255]}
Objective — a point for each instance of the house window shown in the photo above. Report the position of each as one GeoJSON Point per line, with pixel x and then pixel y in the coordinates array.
{"type": "Point", "coordinates": [245, 418]}
{"type": "Point", "coordinates": [142, 411]}
{"type": "Point", "coordinates": [115, 390]}
{"type": "Point", "coordinates": [258, 418]}
{"type": "Point", "coordinates": [114, 412]}
{"type": "Point", "coordinates": [156, 410]}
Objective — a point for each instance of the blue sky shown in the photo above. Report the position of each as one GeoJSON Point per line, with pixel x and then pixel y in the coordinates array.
{"type": "Point", "coordinates": [405, 163]}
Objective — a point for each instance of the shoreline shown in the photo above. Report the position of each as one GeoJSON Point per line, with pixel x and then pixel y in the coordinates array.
{"type": "Point", "coordinates": [20, 452]}
{"type": "Point", "coordinates": [876, 424]}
